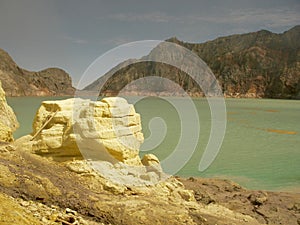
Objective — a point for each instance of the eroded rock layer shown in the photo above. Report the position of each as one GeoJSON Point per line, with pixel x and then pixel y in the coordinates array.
{"type": "Point", "coordinates": [8, 120]}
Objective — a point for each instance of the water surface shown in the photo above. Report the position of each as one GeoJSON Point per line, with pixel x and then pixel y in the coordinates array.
{"type": "Point", "coordinates": [261, 148]}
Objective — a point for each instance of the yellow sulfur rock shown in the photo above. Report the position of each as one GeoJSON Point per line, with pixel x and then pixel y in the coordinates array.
{"type": "Point", "coordinates": [75, 127]}
{"type": "Point", "coordinates": [8, 120]}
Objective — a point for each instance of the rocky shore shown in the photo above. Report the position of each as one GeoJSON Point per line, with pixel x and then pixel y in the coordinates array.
{"type": "Point", "coordinates": [82, 166]}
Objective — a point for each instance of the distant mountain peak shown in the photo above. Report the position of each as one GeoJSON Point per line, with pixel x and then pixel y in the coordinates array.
{"type": "Point", "coordinates": [174, 40]}
{"type": "Point", "coordinates": [20, 82]}
{"type": "Point", "coordinates": [257, 64]}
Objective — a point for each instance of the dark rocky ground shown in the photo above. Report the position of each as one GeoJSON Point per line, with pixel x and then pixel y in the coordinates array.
{"type": "Point", "coordinates": [265, 206]}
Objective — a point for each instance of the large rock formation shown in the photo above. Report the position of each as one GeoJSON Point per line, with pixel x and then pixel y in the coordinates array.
{"type": "Point", "coordinates": [8, 120]}
{"type": "Point", "coordinates": [258, 64]}
{"type": "Point", "coordinates": [111, 123]}
{"type": "Point", "coordinates": [20, 82]}
{"type": "Point", "coordinates": [107, 133]}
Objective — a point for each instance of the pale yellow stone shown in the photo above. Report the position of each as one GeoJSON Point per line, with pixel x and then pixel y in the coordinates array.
{"type": "Point", "coordinates": [139, 136]}
{"type": "Point", "coordinates": [114, 101]}
{"type": "Point", "coordinates": [110, 124]}
{"type": "Point", "coordinates": [123, 150]}
{"type": "Point", "coordinates": [121, 121]}
{"type": "Point", "coordinates": [5, 133]}
{"type": "Point", "coordinates": [123, 110]}
{"type": "Point", "coordinates": [187, 195]}
{"type": "Point", "coordinates": [7, 178]}
{"type": "Point", "coordinates": [53, 137]}
{"type": "Point", "coordinates": [119, 107]}
{"type": "Point", "coordinates": [99, 109]}
{"type": "Point", "coordinates": [8, 120]}
{"type": "Point", "coordinates": [150, 159]}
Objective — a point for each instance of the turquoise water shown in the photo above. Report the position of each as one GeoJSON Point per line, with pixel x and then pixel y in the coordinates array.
{"type": "Point", "coordinates": [261, 148]}
{"type": "Point", "coordinates": [25, 109]}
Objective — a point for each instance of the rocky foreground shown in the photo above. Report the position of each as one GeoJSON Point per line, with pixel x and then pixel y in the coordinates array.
{"type": "Point", "coordinates": [81, 166]}
{"type": "Point", "coordinates": [265, 206]}
{"type": "Point", "coordinates": [36, 190]}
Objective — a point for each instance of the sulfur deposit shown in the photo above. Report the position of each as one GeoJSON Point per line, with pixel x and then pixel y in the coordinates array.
{"type": "Point", "coordinates": [106, 133]}
{"type": "Point", "coordinates": [8, 120]}
{"type": "Point", "coordinates": [75, 127]}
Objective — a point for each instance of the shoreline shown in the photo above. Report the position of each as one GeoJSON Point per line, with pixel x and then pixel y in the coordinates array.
{"type": "Point", "coordinates": [293, 189]}
{"type": "Point", "coordinates": [145, 96]}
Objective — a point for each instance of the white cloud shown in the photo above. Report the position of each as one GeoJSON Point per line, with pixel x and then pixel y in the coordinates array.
{"type": "Point", "coordinates": [75, 40]}
{"type": "Point", "coordinates": [272, 17]}
{"type": "Point", "coordinates": [156, 17]}
{"type": "Point", "coordinates": [119, 40]}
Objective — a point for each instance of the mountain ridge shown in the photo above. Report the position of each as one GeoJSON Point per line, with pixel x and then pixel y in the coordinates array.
{"type": "Point", "coordinates": [21, 82]}
{"type": "Point", "coordinates": [259, 64]}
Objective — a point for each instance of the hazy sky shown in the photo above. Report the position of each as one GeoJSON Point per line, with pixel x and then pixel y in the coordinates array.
{"type": "Point", "coordinates": [71, 34]}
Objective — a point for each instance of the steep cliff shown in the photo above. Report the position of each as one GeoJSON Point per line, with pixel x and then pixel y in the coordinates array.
{"type": "Point", "coordinates": [20, 82]}
{"type": "Point", "coordinates": [8, 120]}
{"type": "Point", "coordinates": [258, 64]}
